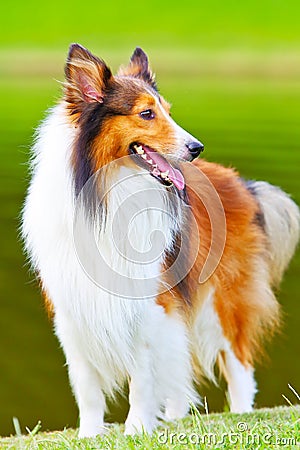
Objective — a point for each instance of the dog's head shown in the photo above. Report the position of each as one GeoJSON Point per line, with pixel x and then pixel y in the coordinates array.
{"type": "Point", "coordinates": [124, 114]}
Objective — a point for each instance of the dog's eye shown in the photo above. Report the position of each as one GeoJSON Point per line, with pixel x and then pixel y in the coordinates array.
{"type": "Point", "coordinates": [148, 114]}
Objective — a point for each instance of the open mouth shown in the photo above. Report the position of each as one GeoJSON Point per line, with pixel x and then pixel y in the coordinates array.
{"type": "Point", "coordinates": [157, 165]}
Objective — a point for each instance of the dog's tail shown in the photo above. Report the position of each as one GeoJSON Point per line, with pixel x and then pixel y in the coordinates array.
{"type": "Point", "coordinates": [281, 222]}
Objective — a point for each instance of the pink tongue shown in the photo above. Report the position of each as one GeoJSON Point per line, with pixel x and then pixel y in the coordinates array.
{"type": "Point", "coordinates": [174, 174]}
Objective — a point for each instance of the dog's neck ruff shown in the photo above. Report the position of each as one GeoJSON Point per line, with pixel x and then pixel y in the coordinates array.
{"type": "Point", "coordinates": [125, 224]}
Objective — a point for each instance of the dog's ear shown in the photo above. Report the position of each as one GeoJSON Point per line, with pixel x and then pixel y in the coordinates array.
{"type": "Point", "coordinates": [87, 77]}
{"type": "Point", "coordinates": [138, 67]}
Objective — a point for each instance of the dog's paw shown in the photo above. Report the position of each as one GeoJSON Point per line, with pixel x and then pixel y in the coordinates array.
{"type": "Point", "coordinates": [137, 425]}
{"type": "Point", "coordinates": [90, 430]}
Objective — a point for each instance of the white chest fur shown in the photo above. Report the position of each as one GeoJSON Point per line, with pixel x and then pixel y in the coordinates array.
{"type": "Point", "coordinates": [102, 278]}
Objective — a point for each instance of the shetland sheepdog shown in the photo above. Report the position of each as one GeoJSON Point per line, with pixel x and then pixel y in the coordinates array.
{"type": "Point", "coordinates": [157, 266]}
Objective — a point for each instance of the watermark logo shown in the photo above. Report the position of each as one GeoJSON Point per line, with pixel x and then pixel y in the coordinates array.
{"type": "Point", "coordinates": [127, 225]}
{"type": "Point", "coordinates": [243, 435]}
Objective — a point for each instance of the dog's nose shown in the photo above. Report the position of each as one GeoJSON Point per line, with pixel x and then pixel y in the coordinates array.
{"type": "Point", "coordinates": [195, 148]}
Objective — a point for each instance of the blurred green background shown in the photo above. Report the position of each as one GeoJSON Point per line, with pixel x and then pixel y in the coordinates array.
{"type": "Point", "coordinates": [231, 70]}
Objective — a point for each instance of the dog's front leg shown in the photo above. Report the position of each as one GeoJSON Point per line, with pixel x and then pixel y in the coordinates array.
{"type": "Point", "coordinates": [144, 405]}
{"type": "Point", "coordinates": [89, 397]}
{"type": "Point", "coordinates": [84, 378]}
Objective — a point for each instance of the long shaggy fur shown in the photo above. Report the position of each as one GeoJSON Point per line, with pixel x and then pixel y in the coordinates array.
{"type": "Point", "coordinates": [96, 209]}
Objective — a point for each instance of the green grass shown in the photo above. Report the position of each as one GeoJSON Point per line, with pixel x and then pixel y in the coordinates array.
{"type": "Point", "coordinates": [265, 428]}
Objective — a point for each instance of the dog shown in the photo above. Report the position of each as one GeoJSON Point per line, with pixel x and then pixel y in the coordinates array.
{"type": "Point", "coordinates": [156, 265]}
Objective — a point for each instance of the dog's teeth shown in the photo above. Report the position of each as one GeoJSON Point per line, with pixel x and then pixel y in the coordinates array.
{"type": "Point", "coordinates": [150, 161]}
{"type": "Point", "coordinates": [143, 156]}
{"type": "Point", "coordinates": [139, 150]}
{"type": "Point", "coordinates": [164, 175]}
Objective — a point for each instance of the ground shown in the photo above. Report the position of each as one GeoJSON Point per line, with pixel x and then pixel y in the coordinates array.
{"type": "Point", "coordinates": [263, 429]}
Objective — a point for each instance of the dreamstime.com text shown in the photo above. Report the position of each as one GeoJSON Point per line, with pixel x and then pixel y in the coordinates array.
{"type": "Point", "coordinates": [242, 436]}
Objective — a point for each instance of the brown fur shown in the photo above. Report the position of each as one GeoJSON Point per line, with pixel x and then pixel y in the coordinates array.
{"type": "Point", "coordinates": [244, 302]}
{"type": "Point", "coordinates": [139, 68]}
{"type": "Point", "coordinates": [48, 305]}
{"type": "Point", "coordinates": [247, 309]}
{"type": "Point", "coordinates": [86, 79]}
{"type": "Point", "coordinates": [120, 131]}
